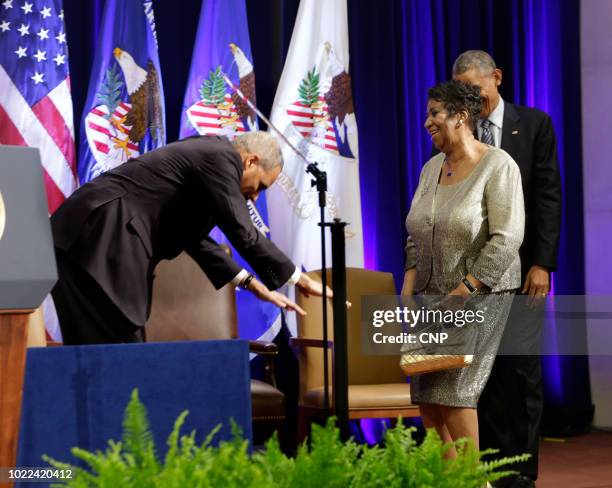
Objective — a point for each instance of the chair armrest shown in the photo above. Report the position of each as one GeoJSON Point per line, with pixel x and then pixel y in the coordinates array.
{"type": "Point", "coordinates": [263, 347]}
{"type": "Point", "coordinates": [267, 350]}
{"type": "Point", "coordinates": [302, 342]}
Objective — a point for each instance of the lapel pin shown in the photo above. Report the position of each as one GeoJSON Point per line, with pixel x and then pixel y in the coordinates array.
{"type": "Point", "coordinates": [514, 132]}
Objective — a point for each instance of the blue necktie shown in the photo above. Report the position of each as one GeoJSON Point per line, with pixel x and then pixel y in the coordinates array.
{"type": "Point", "coordinates": [486, 135]}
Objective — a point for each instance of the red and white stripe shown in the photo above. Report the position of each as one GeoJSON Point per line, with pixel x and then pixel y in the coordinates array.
{"type": "Point", "coordinates": [103, 136]}
{"type": "Point", "coordinates": [302, 117]}
{"type": "Point", "coordinates": [46, 125]}
{"type": "Point", "coordinates": [207, 119]}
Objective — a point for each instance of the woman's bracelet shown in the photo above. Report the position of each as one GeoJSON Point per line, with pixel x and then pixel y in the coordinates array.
{"type": "Point", "coordinates": [471, 288]}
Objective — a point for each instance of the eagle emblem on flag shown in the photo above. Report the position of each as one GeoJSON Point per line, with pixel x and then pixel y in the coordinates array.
{"type": "Point", "coordinates": [320, 114]}
{"type": "Point", "coordinates": [116, 126]}
{"type": "Point", "coordinates": [219, 113]}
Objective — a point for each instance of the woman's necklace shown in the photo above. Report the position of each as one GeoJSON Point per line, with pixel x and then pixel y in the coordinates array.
{"type": "Point", "coordinates": [449, 172]}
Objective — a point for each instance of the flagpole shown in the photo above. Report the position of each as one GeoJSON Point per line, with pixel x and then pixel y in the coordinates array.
{"type": "Point", "coordinates": [338, 273]}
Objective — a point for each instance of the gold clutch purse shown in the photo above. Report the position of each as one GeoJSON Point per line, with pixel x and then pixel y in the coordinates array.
{"type": "Point", "coordinates": [415, 364]}
{"type": "Point", "coordinates": [428, 357]}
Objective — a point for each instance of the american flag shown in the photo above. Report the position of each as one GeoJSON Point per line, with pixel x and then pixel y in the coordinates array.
{"type": "Point", "coordinates": [35, 102]}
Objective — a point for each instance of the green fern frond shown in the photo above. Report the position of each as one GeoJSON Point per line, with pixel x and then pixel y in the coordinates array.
{"type": "Point", "coordinates": [173, 438]}
{"type": "Point", "coordinates": [326, 462]}
{"type": "Point", "coordinates": [137, 437]}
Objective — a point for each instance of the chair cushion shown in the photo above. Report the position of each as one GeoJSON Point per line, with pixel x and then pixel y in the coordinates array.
{"type": "Point", "coordinates": [391, 395]}
{"type": "Point", "coordinates": [268, 403]}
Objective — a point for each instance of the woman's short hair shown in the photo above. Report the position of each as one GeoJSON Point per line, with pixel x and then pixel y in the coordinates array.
{"type": "Point", "coordinates": [457, 96]}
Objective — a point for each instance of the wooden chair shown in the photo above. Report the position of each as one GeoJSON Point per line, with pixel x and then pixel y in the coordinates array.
{"type": "Point", "coordinates": [186, 306]}
{"type": "Point", "coordinates": [377, 386]}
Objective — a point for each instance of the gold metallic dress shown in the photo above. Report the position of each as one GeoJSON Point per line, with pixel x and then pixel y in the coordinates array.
{"type": "Point", "coordinates": [475, 226]}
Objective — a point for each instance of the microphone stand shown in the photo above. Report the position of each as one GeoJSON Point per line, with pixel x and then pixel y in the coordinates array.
{"type": "Point", "coordinates": [340, 351]}
{"type": "Point", "coordinates": [320, 182]}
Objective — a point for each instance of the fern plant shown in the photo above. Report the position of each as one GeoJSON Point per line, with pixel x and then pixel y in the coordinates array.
{"type": "Point", "coordinates": [326, 462]}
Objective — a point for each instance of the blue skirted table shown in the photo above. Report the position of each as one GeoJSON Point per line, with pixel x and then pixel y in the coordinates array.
{"type": "Point", "coordinates": [76, 396]}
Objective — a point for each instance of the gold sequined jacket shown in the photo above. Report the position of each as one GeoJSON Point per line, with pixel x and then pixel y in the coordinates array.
{"type": "Point", "coordinates": [477, 230]}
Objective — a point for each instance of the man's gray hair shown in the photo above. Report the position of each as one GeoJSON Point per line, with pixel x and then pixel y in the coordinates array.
{"type": "Point", "coordinates": [478, 60]}
{"type": "Point", "coordinates": [263, 144]}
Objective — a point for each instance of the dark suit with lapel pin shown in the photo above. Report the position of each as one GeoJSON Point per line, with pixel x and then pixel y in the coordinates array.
{"type": "Point", "coordinates": [111, 233]}
{"type": "Point", "coordinates": [510, 408]}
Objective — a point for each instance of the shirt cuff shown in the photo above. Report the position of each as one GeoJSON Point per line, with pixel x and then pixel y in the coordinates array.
{"type": "Point", "coordinates": [295, 277]}
{"type": "Point", "coordinates": [236, 280]}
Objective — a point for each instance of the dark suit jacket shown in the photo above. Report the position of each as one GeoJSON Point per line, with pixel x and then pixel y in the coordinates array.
{"type": "Point", "coordinates": [121, 224]}
{"type": "Point", "coordinates": [528, 136]}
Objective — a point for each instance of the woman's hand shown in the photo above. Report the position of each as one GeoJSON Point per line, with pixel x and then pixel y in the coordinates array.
{"type": "Point", "coordinates": [460, 294]}
{"type": "Point", "coordinates": [461, 291]}
{"type": "Point", "coordinates": [262, 292]}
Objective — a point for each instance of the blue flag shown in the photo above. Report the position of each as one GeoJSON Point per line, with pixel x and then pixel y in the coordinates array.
{"type": "Point", "coordinates": [124, 114]}
{"type": "Point", "coordinates": [222, 46]}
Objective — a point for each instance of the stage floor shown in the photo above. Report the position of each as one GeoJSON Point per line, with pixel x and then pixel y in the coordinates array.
{"type": "Point", "coordinates": [579, 462]}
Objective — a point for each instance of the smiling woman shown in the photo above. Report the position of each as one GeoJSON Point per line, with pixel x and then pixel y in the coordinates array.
{"type": "Point", "coordinates": [465, 229]}
{"type": "Point", "coordinates": [2, 216]}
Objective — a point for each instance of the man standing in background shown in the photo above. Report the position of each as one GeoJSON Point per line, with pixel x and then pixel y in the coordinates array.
{"type": "Point", "coordinates": [510, 408]}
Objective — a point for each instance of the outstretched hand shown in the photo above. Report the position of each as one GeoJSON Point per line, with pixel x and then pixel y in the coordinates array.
{"type": "Point", "coordinates": [308, 287]}
{"type": "Point", "coordinates": [262, 292]}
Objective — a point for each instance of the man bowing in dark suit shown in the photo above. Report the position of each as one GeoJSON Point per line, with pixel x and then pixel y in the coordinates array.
{"type": "Point", "coordinates": [510, 408]}
{"type": "Point", "coordinates": [111, 233]}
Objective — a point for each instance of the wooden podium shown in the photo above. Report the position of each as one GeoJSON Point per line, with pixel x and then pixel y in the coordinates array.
{"type": "Point", "coordinates": [13, 338]}
{"type": "Point", "coordinates": [27, 274]}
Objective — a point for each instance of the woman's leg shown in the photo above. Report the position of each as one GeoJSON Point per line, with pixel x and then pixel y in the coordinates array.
{"type": "Point", "coordinates": [461, 422]}
{"type": "Point", "coordinates": [432, 419]}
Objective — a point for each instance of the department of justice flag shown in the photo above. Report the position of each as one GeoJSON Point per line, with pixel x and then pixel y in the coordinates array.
{"type": "Point", "coordinates": [124, 113]}
{"type": "Point", "coordinates": [210, 107]}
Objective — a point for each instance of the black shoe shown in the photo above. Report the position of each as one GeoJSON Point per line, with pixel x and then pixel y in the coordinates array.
{"type": "Point", "coordinates": [522, 482]}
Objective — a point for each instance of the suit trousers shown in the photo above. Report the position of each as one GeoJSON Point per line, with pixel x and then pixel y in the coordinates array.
{"type": "Point", "coordinates": [86, 314]}
{"type": "Point", "coordinates": [511, 405]}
